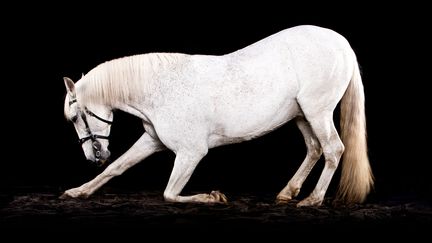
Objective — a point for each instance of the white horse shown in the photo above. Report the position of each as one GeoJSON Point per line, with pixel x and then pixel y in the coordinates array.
{"type": "Point", "coordinates": [191, 103]}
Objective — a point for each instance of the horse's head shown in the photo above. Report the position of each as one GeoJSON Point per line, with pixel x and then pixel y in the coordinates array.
{"type": "Point", "coordinates": [92, 123]}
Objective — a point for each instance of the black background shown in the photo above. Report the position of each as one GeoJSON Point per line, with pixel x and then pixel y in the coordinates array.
{"type": "Point", "coordinates": [43, 45]}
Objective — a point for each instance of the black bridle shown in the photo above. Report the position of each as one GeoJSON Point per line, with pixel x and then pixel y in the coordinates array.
{"type": "Point", "coordinates": [93, 137]}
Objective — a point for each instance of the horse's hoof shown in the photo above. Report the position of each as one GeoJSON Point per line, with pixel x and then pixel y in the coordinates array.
{"type": "Point", "coordinates": [309, 202]}
{"type": "Point", "coordinates": [65, 196]}
{"type": "Point", "coordinates": [282, 199]}
{"type": "Point", "coordinates": [218, 197]}
{"type": "Point", "coordinates": [74, 193]}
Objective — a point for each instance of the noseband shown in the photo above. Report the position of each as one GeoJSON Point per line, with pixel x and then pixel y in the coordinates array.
{"type": "Point", "coordinates": [91, 136]}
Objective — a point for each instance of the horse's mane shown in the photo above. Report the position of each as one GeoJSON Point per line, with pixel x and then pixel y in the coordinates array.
{"type": "Point", "coordinates": [123, 79]}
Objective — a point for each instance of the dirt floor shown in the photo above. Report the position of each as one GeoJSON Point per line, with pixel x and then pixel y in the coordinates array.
{"type": "Point", "coordinates": [146, 211]}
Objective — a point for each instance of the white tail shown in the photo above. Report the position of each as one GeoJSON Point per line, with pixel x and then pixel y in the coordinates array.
{"type": "Point", "coordinates": [357, 179]}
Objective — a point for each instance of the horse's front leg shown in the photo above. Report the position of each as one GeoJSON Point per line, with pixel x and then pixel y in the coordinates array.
{"type": "Point", "coordinates": [144, 147]}
{"type": "Point", "coordinates": [184, 165]}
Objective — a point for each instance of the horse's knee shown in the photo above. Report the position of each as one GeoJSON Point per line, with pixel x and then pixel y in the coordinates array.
{"type": "Point", "coordinates": [169, 197]}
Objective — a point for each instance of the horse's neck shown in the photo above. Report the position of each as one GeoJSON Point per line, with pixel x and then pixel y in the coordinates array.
{"type": "Point", "coordinates": [116, 81]}
{"type": "Point", "coordinates": [129, 81]}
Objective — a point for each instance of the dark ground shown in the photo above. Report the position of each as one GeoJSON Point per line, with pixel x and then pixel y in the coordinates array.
{"type": "Point", "coordinates": [145, 211]}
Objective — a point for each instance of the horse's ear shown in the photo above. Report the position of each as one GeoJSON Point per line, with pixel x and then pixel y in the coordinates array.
{"type": "Point", "coordinates": [70, 86]}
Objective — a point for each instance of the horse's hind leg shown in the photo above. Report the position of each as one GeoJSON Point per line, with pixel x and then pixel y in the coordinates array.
{"type": "Point", "coordinates": [184, 165]}
{"type": "Point", "coordinates": [314, 152]}
{"type": "Point", "coordinates": [323, 127]}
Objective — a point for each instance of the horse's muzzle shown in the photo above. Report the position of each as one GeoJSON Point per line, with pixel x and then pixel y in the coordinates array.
{"type": "Point", "coordinates": [100, 156]}
{"type": "Point", "coordinates": [100, 162]}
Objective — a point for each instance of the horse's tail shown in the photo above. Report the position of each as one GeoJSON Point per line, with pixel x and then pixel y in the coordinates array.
{"type": "Point", "coordinates": [357, 179]}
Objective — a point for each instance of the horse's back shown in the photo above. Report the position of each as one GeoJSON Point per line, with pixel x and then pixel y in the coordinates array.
{"type": "Point", "coordinates": [311, 55]}
{"type": "Point", "coordinates": [300, 37]}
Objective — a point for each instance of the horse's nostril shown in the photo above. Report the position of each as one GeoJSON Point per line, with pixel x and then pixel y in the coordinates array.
{"type": "Point", "coordinates": [96, 145]}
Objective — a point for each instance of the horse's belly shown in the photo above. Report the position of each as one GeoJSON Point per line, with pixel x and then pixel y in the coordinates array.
{"type": "Point", "coordinates": [247, 126]}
